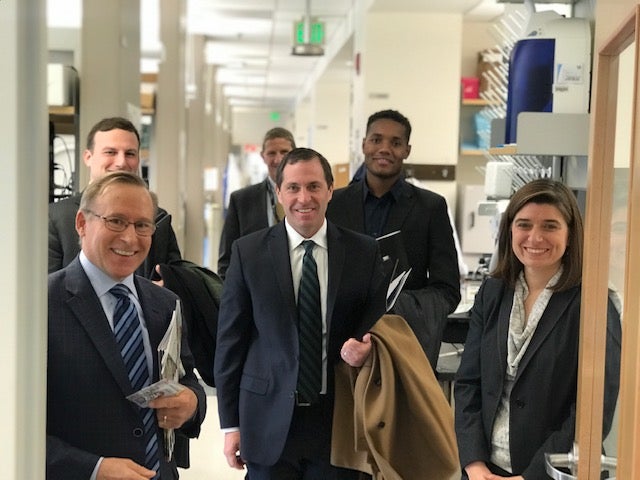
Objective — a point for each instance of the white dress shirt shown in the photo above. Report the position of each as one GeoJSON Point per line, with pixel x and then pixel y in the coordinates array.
{"type": "Point", "coordinates": [321, 256]}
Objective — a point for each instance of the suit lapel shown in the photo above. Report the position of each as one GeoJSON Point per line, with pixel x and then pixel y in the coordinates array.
{"type": "Point", "coordinates": [554, 312]}
{"type": "Point", "coordinates": [262, 192]}
{"type": "Point", "coordinates": [154, 322]}
{"type": "Point", "coordinates": [336, 256]}
{"type": "Point", "coordinates": [504, 315]}
{"type": "Point", "coordinates": [354, 217]}
{"type": "Point", "coordinates": [87, 309]}
{"type": "Point", "coordinates": [278, 248]}
{"type": "Point", "coordinates": [399, 211]}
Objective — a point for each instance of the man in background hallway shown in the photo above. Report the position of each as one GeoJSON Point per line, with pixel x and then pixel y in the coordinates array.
{"type": "Point", "coordinates": [256, 206]}
{"type": "Point", "coordinates": [112, 144]}
{"type": "Point", "coordinates": [383, 202]}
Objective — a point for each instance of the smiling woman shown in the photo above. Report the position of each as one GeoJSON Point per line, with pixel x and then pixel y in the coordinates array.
{"type": "Point", "coordinates": [530, 309]}
{"type": "Point", "coordinates": [539, 240]}
{"type": "Point", "coordinates": [540, 230]}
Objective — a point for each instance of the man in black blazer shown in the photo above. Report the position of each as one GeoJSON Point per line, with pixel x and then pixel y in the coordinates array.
{"type": "Point", "coordinates": [256, 206]}
{"type": "Point", "coordinates": [267, 424]}
{"type": "Point", "coordinates": [383, 202]}
{"type": "Point", "coordinates": [93, 431]}
{"type": "Point", "coordinates": [112, 144]}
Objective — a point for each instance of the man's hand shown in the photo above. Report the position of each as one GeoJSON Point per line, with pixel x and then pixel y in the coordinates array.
{"type": "Point", "coordinates": [122, 469]}
{"type": "Point", "coordinates": [231, 450]}
{"type": "Point", "coordinates": [173, 411]}
{"type": "Point", "coordinates": [159, 281]}
{"type": "Point", "coordinates": [354, 352]}
{"type": "Point", "coordinates": [480, 471]}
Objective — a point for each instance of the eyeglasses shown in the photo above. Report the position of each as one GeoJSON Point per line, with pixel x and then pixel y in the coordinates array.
{"type": "Point", "coordinates": [117, 224]}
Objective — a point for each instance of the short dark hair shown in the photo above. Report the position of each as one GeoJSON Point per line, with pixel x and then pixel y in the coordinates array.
{"type": "Point", "coordinates": [120, 177]}
{"type": "Point", "coordinates": [108, 124]}
{"type": "Point", "coordinates": [304, 155]}
{"type": "Point", "coordinates": [391, 115]}
{"type": "Point", "coordinates": [278, 132]}
{"type": "Point", "coordinates": [549, 192]}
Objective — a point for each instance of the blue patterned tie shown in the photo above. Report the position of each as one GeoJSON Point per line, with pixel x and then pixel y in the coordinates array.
{"type": "Point", "coordinates": [310, 328]}
{"type": "Point", "coordinates": [126, 327]}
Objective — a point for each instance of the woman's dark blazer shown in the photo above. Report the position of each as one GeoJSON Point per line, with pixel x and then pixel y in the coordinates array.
{"type": "Point", "coordinates": [543, 399]}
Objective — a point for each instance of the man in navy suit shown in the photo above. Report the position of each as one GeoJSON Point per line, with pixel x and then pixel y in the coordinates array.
{"type": "Point", "coordinates": [383, 202]}
{"type": "Point", "coordinates": [112, 144]}
{"type": "Point", "coordinates": [256, 206]}
{"type": "Point", "coordinates": [93, 431]}
{"type": "Point", "coordinates": [267, 426]}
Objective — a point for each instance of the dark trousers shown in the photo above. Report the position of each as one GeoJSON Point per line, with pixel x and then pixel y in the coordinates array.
{"type": "Point", "coordinates": [307, 451]}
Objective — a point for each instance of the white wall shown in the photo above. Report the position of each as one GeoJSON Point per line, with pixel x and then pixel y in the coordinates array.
{"type": "Point", "coordinates": [23, 196]}
{"type": "Point", "coordinates": [331, 135]}
{"type": "Point", "coordinates": [250, 126]}
{"type": "Point", "coordinates": [416, 70]}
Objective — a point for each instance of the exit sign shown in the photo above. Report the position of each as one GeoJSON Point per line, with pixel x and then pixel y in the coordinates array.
{"type": "Point", "coordinates": [315, 36]}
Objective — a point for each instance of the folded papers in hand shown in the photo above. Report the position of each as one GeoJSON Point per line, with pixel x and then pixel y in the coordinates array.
{"type": "Point", "coordinates": [161, 388]}
{"type": "Point", "coordinates": [171, 370]}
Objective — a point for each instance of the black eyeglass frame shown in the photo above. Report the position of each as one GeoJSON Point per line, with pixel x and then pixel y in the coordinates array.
{"type": "Point", "coordinates": [118, 224]}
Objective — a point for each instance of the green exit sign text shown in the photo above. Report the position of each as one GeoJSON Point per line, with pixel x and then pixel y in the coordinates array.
{"type": "Point", "coordinates": [316, 32]}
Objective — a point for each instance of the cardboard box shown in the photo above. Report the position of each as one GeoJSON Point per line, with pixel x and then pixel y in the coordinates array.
{"type": "Point", "coordinates": [340, 175]}
{"type": "Point", "coordinates": [147, 101]}
{"type": "Point", "coordinates": [59, 85]}
{"type": "Point", "coordinates": [488, 60]}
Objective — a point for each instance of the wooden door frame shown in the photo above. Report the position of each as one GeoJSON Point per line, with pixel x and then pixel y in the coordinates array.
{"type": "Point", "coordinates": [596, 269]}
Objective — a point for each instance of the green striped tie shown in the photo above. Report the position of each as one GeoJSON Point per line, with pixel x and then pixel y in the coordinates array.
{"type": "Point", "coordinates": [310, 328]}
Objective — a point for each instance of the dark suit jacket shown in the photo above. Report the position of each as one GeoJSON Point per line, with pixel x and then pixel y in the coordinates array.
{"type": "Point", "coordinates": [247, 213]}
{"type": "Point", "coordinates": [432, 290]}
{"type": "Point", "coordinates": [64, 244]}
{"type": "Point", "coordinates": [256, 366]}
{"type": "Point", "coordinates": [88, 415]}
{"type": "Point", "coordinates": [543, 399]}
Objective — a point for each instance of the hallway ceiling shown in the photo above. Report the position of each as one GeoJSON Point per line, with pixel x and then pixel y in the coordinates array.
{"type": "Point", "coordinates": [250, 42]}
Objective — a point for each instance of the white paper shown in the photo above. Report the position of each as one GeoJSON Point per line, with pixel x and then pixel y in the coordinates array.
{"type": "Point", "coordinates": [161, 388]}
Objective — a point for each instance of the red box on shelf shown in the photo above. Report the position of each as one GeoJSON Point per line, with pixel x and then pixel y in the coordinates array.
{"type": "Point", "coordinates": [470, 87]}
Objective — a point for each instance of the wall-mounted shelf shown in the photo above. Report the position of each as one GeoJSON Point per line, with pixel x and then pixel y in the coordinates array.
{"type": "Point", "coordinates": [62, 110]}
{"type": "Point", "coordinates": [475, 102]}
{"type": "Point", "coordinates": [472, 152]}
{"type": "Point", "coordinates": [468, 135]}
{"type": "Point", "coordinates": [555, 134]}
{"type": "Point", "coordinates": [64, 119]}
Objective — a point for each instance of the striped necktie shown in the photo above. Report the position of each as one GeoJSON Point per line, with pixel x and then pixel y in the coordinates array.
{"type": "Point", "coordinates": [310, 328]}
{"type": "Point", "coordinates": [128, 333]}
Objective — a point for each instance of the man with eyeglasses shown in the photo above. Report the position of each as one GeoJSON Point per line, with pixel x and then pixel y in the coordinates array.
{"type": "Point", "coordinates": [113, 144]}
{"type": "Point", "coordinates": [93, 431]}
{"type": "Point", "coordinates": [116, 224]}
